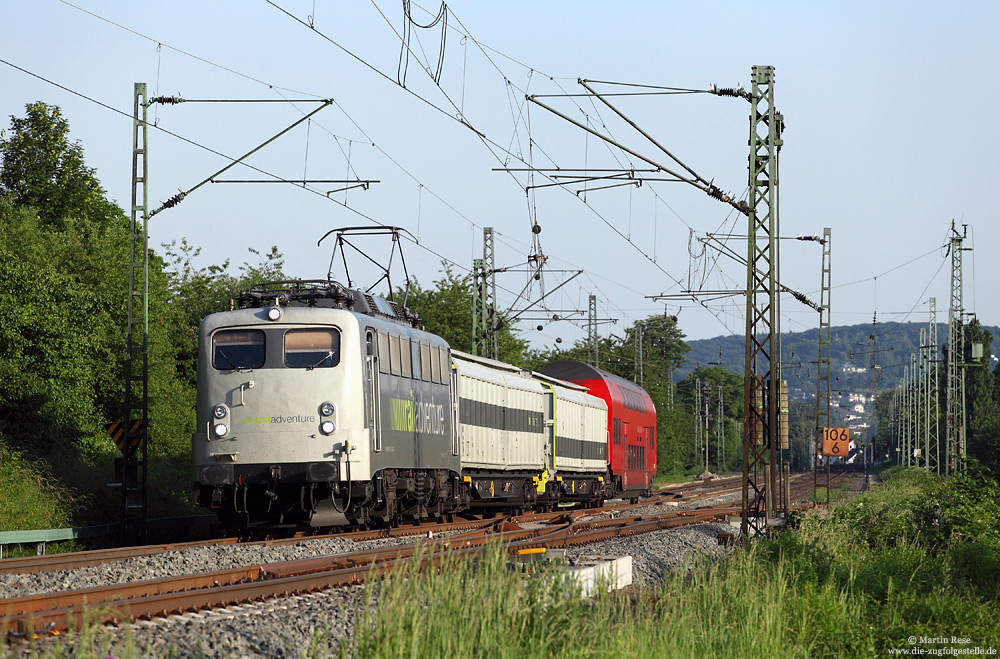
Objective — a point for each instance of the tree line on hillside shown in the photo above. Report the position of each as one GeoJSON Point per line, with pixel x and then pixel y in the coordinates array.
{"type": "Point", "coordinates": [855, 358]}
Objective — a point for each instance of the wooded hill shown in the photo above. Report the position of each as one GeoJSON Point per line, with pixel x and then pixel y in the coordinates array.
{"type": "Point", "coordinates": [851, 347]}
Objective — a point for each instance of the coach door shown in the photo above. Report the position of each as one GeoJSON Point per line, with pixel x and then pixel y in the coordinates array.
{"type": "Point", "coordinates": [639, 455]}
{"type": "Point", "coordinates": [372, 406]}
{"type": "Point", "coordinates": [624, 454]}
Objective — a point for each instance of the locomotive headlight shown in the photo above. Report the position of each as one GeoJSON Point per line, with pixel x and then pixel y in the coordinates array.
{"type": "Point", "coordinates": [327, 427]}
{"type": "Point", "coordinates": [221, 430]}
{"type": "Point", "coordinates": [326, 409]}
{"type": "Point", "coordinates": [220, 411]}
{"type": "Point", "coordinates": [274, 313]}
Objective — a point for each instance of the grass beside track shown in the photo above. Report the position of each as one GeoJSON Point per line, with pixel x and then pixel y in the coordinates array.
{"type": "Point", "coordinates": [914, 557]}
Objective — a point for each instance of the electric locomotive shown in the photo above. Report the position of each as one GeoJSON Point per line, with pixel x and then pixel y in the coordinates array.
{"type": "Point", "coordinates": [323, 406]}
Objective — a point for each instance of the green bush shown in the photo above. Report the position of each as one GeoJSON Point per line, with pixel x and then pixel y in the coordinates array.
{"type": "Point", "coordinates": [918, 553]}
{"type": "Point", "coordinates": [976, 566]}
{"type": "Point", "coordinates": [29, 498]}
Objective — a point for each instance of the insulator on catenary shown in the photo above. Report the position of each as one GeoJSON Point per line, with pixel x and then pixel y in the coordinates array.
{"type": "Point", "coordinates": [737, 91]}
{"type": "Point", "coordinates": [717, 193]}
{"type": "Point", "coordinates": [166, 100]}
{"type": "Point", "coordinates": [173, 201]}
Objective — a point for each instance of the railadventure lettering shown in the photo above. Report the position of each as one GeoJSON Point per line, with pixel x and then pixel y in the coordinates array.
{"type": "Point", "coordinates": [294, 418]}
{"type": "Point", "coordinates": [408, 415]}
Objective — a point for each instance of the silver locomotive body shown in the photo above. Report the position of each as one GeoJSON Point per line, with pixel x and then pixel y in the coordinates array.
{"type": "Point", "coordinates": [323, 407]}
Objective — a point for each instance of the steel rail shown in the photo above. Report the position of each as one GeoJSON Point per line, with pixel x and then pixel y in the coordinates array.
{"type": "Point", "coordinates": [161, 597]}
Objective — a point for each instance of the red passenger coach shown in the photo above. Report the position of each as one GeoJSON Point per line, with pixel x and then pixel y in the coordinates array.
{"type": "Point", "coordinates": [631, 425]}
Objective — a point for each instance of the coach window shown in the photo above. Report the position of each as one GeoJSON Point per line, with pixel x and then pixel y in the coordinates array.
{"type": "Point", "coordinates": [394, 365]}
{"type": "Point", "coordinates": [425, 361]}
{"type": "Point", "coordinates": [312, 348]}
{"type": "Point", "coordinates": [404, 358]}
{"type": "Point", "coordinates": [237, 349]}
{"type": "Point", "coordinates": [383, 352]}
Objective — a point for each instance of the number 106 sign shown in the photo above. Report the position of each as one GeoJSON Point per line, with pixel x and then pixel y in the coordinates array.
{"type": "Point", "coordinates": [836, 442]}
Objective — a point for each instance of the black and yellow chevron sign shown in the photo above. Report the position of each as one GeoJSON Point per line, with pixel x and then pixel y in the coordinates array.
{"type": "Point", "coordinates": [116, 431]}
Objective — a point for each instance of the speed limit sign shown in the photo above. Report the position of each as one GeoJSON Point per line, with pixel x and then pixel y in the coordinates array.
{"type": "Point", "coordinates": [836, 442]}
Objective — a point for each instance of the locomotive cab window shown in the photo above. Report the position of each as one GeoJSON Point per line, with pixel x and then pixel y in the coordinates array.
{"type": "Point", "coordinates": [237, 349]}
{"type": "Point", "coordinates": [312, 348]}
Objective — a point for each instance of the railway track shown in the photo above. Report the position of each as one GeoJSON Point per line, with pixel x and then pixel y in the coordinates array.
{"type": "Point", "coordinates": [53, 613]}
{"type": "Point", "coordinates": [683, 493]}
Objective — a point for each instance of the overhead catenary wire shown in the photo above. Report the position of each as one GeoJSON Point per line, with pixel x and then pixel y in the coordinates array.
{"type": "Point", "coordinates": [481, 46]}
{"type": "Point", "coordinates": [277, 178]}
{"type": "Point", "coordinates": [484, 48]}
{"type": "Point", "coordinates": [462, 120]}
{"type": "Point", "coordinates": [182, 52]}
{"type": "Point", "coordinates": [507, 80]}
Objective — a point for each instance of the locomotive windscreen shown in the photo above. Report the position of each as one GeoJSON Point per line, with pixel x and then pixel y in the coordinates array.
{"type": "Point", "coordinates": [312, 348]}
{"type": "Point", "coordinates": [236, 349]}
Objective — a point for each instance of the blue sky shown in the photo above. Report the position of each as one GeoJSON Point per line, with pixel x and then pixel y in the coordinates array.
{"type": "Point", "coordinates": [891, 132]}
